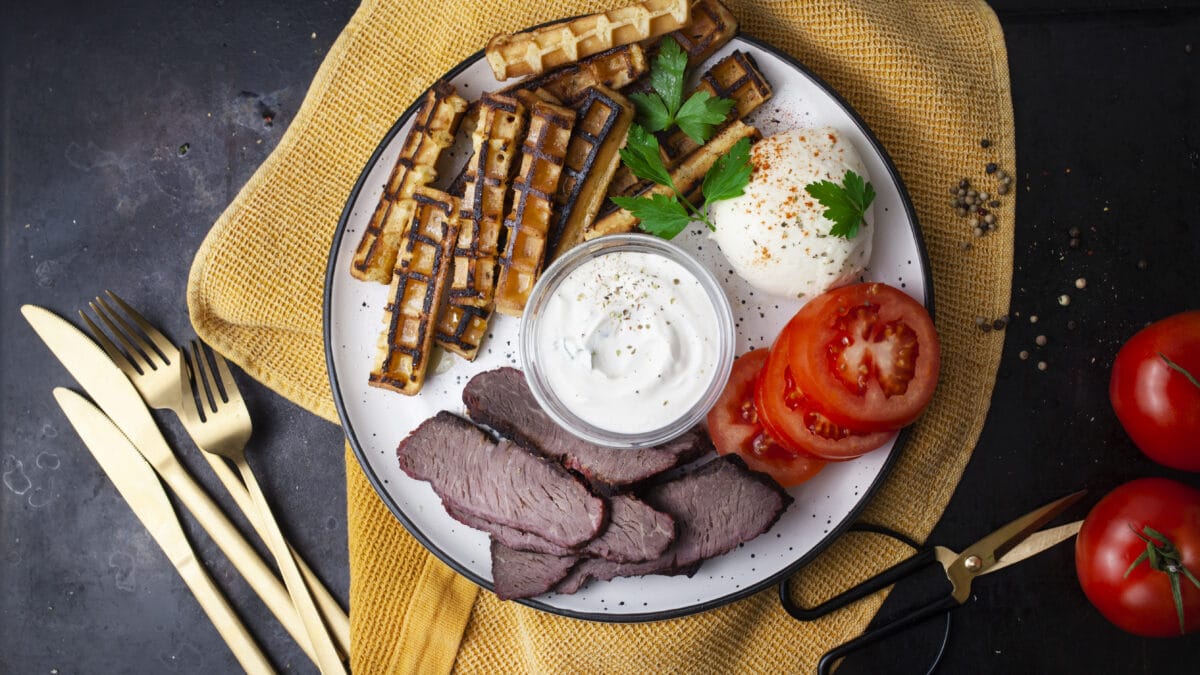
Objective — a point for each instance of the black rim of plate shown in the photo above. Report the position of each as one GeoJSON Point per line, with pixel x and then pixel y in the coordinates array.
{"type": "Point", "coordinates": [377, 483]}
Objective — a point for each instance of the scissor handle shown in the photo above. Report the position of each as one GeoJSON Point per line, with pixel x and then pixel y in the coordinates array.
{"type": "Point", "coordinates": [876, 583]}
{"type": "Point", "coordinates": [941, 605]}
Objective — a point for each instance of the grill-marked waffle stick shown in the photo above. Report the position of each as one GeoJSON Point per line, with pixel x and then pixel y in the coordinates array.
{"type": "Point", "coordinates": [603, 120]}
{"type": "Point", "coordinates": [432, 132]}
{"type": "Point", "coordinates": [527, 225]}
{"type": "Point", "coordinates": [542, 49]}
{"type": "Point", "coordinates": [419, 280]}
{"type": "Point", "coordinates": [500, 127]}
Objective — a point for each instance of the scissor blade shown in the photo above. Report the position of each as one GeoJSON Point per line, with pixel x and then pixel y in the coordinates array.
{"type": "Point", "coordinates": [994, 547]}
{"type": "Point", "coordinates": [1035, 544]}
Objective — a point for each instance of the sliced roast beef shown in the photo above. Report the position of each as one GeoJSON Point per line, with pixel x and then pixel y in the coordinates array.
{"type": "Point", "coordinates": [635, 532]}
{"type": "Point", "coordinates": [501, 482]}
{"type": "Point", "coordinates": [511, 537]}
{"type": "Point", "coordinates": [592, 568]}
{"type": "Point", "coordinates": [502, 400]}
{"type": "Point", "coordinates": [524, 574]}
{"type": "Point", "coordinates": [716, 507]}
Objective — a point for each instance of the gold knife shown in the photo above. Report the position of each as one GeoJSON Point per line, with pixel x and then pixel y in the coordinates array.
{"type": "Point", "coordinates": [136, 482]}
{"type": "Point", "coordinates": [116, 395]}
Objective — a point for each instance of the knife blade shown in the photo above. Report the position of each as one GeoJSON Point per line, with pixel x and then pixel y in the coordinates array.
{"type": "Point", "coordinates": [116, 396]}
{"type": "Point", "coordinates": [138, 485]}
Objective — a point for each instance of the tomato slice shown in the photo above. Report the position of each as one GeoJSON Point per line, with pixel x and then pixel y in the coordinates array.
{"type": "Point", "coordinates": [735, 428]}
{"type": "Point", "coordinates": [867, 355]}
{"type": "Point", "coordinates": [790, 416]}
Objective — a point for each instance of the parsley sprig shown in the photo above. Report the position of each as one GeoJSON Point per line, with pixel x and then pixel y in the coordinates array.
{"type": "Point", "coordinates": [667, 215]}
{"type": "Point", "coordinates": [846, 204]}
{"type": "Point", "coordinates": [664, 107]}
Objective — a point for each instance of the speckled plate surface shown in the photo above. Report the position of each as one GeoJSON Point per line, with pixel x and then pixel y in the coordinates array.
{"type": "Point", "coordinates": [376, 420]}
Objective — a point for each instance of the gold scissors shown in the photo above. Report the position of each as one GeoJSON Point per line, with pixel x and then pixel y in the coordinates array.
{"type": "Point", "coordinates": [1010, 544]}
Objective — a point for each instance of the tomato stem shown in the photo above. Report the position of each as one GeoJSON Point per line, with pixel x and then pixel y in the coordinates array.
{"type": "Point", "coordinates": [1164, 558]}
{"type": "Point", "coordinates": [1175, 366]}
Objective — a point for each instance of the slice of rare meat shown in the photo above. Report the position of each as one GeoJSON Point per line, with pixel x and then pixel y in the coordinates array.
{"type": "Point", "coordinates": [524, 574]}
{"type": "Point", "coordinates": [635, 532]}
{"type": "Point", "coordinates": [716, 507]}
{"type": "Point", "coordinates": [502, 400]}
{"type": "Point", "coordinates": [501, 482]}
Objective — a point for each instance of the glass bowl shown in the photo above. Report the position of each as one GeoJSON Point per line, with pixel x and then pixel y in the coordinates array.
{"type": "Point", "coordinates": [542, 370]}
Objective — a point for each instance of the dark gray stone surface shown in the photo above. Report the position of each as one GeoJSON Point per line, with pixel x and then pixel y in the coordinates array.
{"type": "Point", "coordinates": [99, 100]}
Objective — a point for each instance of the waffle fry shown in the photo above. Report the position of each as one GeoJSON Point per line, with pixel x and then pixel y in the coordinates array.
{"type": "Point", "coordinates": [500, 126]}
{"type": "Point", "coordinates": [735, 77]}
{"type": "Point", "coordinates": [541, 49]}
{"type": "Point", "coordinates": [616, 68]}
{"type": "Point", "coordinates": [710, 27]}
{"type": "Point", "coordinates": [432, 132]}
{"type": "Point", "coordinates": [592, 159]}
{"type": "Point", "coordinates": [417, 284]}
{"type": "Point", "coordinates": [528, 222]}
{"type": "Point", "coordinates": [688, 177]}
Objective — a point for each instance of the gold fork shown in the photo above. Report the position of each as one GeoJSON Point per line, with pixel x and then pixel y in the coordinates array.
{"type": "Point", "coordinates": [156, 367]}
{"type": "Point", "coordinates": [220, 424]}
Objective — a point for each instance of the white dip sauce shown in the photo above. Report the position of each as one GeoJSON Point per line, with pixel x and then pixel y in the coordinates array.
{"type": "Point", "coordinates": [628, 341]}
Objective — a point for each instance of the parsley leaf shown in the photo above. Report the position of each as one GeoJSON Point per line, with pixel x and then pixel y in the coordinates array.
{"type": "Point", "coordinates": [641, 155]}
{"type": "Point", "coordinates": [661, 215]}
{"type": "Point", "coordinates": [666, 215]}
{"type": "Point", "coordinates": [730, 174]}
{"type": "Point", "coordinates": [664, 107]}
{"type": "Point", "coordinates": [700, 113]}
{"type": "Point", "coordinates": [651, 111]}
{"type": "Point", "coordinates": [845, 204]}
{"type": "Point", "coordinates": [667, 75]}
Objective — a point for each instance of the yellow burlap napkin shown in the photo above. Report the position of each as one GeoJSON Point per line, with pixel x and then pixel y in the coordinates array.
{"type": "Point", "coordinates": [931, 79]}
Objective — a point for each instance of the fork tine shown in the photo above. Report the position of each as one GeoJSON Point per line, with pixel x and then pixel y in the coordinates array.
{"type": "Point", "coordinates": [148, 350]}
{"type": "Point", "coordinates": [136, 355]}
{"type": "Point", "coordinates": [114, 352]}
{"type": "Point", "coordinates": [165, 347]}
{"type": "Point", "coordinates": [228, 384]}
{"type": "Point", "coordinates": [214, 396]}
{"type": "Point", "coordinates": [192, 387]}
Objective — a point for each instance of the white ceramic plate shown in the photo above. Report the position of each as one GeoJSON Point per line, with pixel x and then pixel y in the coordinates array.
{"type": "Point", "coordinates": [377, 420]}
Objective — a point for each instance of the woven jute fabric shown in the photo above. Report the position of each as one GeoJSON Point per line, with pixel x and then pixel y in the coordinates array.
{"type": "Point", "coordinates": [931, 79]}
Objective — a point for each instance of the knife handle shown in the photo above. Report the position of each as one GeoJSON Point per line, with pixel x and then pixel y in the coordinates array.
{"type": "Point", "coordinates": [327, 656]}
{"type": "Point", "coordinates": [244, 558]}
{"type": "Point", "coordinates": [222, 616]}
{"type": "Point", "coordinates": [333, 614]}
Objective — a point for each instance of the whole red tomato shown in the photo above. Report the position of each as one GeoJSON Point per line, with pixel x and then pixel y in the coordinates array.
{"type": "Point", "coordinates": [1155, 393]}
{"type": "Point", "coordinates": [1130, 586]}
